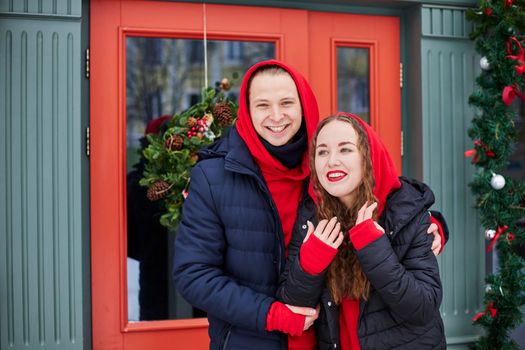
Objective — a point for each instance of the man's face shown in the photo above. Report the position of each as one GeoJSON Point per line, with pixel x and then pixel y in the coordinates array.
{"type": "Point", "coordinates": [275, 107]}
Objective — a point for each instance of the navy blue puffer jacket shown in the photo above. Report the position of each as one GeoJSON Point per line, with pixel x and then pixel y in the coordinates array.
{"type": "Point", "coordinates": [229, 249]}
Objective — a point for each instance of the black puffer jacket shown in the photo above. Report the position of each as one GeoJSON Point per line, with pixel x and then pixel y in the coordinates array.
{"type": "Point", "coordinates": [403, 308]}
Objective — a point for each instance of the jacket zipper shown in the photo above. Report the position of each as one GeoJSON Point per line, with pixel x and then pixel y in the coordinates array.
{"type": "Point", "coordinates": [226, 338]}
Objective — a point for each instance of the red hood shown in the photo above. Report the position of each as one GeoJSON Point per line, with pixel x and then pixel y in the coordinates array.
{"type": "Point", "coordinates": [245, 126]}
{"type": "Point", "coordinates": [384, 170]}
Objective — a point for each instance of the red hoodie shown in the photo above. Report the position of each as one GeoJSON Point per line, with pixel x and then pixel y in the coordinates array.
{"type": "Point", "coordinates": [285, 185]}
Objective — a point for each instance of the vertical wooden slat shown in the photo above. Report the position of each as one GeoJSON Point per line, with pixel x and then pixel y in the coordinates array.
{"type": "Point", "coordinates": [55, 199]}
{"type": "Point", "coordinates": [71, 163]}
{"type": "Point", "coordinates": [47, 6]}
{"type": "Point", "coordinates": [23, 188]}
{"type": "Point", "coordinates": [7, 166]}
{"type": "Point", "coordinates": [40, 186]}
{"type": "Point", "coordinates": [15, 185]}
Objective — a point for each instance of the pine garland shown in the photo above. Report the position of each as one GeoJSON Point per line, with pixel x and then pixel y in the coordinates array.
{"type": "Point", "coordinates": [172, 153]}
{"type": "Point", "coordinates": [498, 35]}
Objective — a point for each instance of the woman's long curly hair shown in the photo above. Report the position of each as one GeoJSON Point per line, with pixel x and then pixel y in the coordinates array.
{"type": "Point", "coordinates": [345, 277]}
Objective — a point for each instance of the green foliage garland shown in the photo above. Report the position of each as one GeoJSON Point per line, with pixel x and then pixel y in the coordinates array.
{"type": "Point", "coordinates": [172, 153]}
{"type": "Point", "coordinates": [499, 27]}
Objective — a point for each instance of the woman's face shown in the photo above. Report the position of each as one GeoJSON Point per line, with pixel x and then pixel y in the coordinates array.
{"type": "Point", "coordinates": [338, 161]}
{"type": "Point", "coordinates": [275, 107]}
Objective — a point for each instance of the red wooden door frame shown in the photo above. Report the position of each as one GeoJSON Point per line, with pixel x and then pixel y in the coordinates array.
{"type": "Point", "coordinates": [111, 22]}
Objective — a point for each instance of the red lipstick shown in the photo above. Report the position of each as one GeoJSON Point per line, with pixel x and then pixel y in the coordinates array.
{"type": "Point", "coordinates": [336, 175]}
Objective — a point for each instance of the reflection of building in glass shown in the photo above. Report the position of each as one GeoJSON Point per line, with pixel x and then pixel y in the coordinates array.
{"type": "Point", "coordinates": [353, 81]}
{"type": "Point", "coordinates": [359, 95]}
{"type": "Point", "coordinates": [164, 77]}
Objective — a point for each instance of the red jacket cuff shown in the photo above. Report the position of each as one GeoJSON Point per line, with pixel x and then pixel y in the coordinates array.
{"type": "Point", "coordinates": [281, 318]}
{"type": "Point", "coordinates": [364, 233]}
{"type": "Point", "coordinates": [315, 255]}
{"type": "Point", "coordinates": [433, 220]}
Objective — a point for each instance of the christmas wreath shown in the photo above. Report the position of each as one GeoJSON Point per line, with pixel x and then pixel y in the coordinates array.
{"type": "Point", "coordinates": [172, 153]}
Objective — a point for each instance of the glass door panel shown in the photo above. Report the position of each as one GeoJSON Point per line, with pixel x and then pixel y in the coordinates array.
{"type": "Point", "coordinates": [353, 81]}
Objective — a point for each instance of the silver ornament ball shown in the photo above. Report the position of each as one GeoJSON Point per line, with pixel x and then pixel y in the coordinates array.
{"type": "Point", "coordinates": [479, 112]}
{"type": "Point", "coordinates": [484, 63]}
{"type": "Point", "coordinates": [490, 234]}
{"type": "Point", "coordinates": [497, 182]}
{"type": "Point", "coordinates": [488, 288]}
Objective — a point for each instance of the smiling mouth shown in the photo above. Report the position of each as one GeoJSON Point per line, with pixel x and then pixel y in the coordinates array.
{"type": "Point", "coordinates": [334, 176]}
{"type": "Point", "coordinates": [277, 129]}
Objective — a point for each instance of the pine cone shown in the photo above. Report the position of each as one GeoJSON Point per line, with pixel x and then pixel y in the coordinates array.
{"type": "Point", "coordinates": [174, 143]}
{"type": "Point", "coordinates": [223, 113]}
{"type": "Point", "coordinates": [158, 190]}
{"type": "Point", "coordinates": [192, 121]}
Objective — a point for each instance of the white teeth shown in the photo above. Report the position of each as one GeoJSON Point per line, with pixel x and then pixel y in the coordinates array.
{"type": "Point", "coordinates": [276, 128]}
{"type": "Point", "coordinates": [332, 175]}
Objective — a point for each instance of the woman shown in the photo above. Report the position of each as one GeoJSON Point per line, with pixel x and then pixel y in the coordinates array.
{"type": "Point", "coordinates": [382, 289]}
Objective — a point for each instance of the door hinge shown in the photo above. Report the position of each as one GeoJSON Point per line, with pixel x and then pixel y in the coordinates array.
{"type": "Point", "coordinates": [88, 140]}
{"type": "Point", "coordinates": [87, 63]}
{"type": "Point", "coordinates": [401, 74]}
{"type": "Point", "coordinates": [402, 143]}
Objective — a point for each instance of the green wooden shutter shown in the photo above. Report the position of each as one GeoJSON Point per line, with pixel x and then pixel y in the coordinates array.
{"type": "Point", "coordinates": [41, 271]}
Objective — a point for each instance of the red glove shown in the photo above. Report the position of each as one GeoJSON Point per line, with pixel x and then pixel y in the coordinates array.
{"type": "Point", "coordinates": [281, 318]}
{"type": "Point", "coordinates": [315, 255]}
{"type": "Point", "coordinates": [364, 233]}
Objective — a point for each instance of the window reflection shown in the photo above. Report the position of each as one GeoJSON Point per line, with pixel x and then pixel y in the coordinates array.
{"type": "Point", "coordinates": [353, 81]}
{"type": "Point", "coordinates": [164, 77]}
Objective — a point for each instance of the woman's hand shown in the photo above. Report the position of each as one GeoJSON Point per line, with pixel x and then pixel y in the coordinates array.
{"type": "Point", "coordinates": [436, 243]}
{"type": "Point", "coordinates": [329, 232]}
{"type": "Point", "coordinates": [366, 212]}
